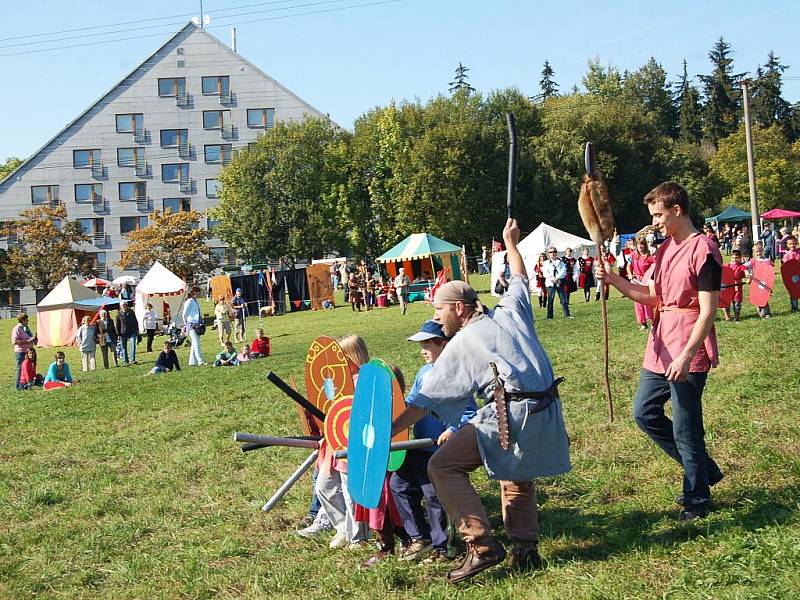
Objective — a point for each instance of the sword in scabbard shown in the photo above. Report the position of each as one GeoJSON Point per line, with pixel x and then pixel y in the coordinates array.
{"type": "Point", "coordinates": [501, 408]}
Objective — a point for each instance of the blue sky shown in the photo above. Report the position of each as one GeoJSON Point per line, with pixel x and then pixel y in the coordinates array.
{"type": "Point", "coordinates": [348, 61]}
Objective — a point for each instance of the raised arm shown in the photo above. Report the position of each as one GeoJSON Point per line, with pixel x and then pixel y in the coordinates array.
{"type": "Point", "coordinates": [511, 237]}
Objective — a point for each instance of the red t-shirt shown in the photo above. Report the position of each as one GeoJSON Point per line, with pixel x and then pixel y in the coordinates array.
{"type": "Point", "coordinates": [260, 345]}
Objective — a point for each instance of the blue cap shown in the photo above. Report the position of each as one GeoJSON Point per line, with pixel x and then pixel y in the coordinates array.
{"type": "Point", "coordinates": [238, 290]}
{"type": "Point", "coordinates": [429, 330]}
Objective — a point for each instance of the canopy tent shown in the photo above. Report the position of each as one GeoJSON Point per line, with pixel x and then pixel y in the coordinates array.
{"type": "Point", "coordinates": [535, 244]}
{"type": "Point", "coordinates": [730, 215]}
{"type": "Point", "coordinates": [164, 290]}
{"type": "Point", "coordinates": [780, 213]}
{"type": "Point", "coordinates": [422, 256]}
{"type": "Point", "coordinates": [60, 312]}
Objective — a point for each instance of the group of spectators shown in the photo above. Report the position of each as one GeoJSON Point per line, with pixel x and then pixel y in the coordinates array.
{"type": "Point", "coordinates": [730, 237]}
{"type": "Point", "coordinates": [363, 286]}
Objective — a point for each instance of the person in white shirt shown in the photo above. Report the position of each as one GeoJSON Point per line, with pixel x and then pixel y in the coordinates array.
{"type": "Point", "coordinates": [192, 318]}
{"type": "Point", "coordinates": [149, 320]}
{"type": "Point", "coordinates": [555, 271]}
{"type": "Point", "coordinates": [401, 286]}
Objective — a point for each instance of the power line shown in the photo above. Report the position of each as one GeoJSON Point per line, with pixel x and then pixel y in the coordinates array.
{"type": "Point", "coordinates": [138, 37]}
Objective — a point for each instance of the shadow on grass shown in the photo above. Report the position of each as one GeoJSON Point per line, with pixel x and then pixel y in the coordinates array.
{"type": "Point", "coordinates": [590, 535]}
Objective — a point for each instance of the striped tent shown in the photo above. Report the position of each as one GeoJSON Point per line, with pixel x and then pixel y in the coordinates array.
{"type": "Point", "coordinates": [60, 312]}
{"type": "Point", "coordinates": [164, 290]}
{"type": "Point", "coordinates": [423, 255]}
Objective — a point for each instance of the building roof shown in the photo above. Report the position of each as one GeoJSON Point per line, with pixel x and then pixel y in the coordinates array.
{"type": "Point", "coordinates": [187, 29]}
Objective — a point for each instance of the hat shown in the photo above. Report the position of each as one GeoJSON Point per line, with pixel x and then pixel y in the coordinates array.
{"type": "Point", "coordinates": [457, 291]}
{"type": "Point", "coordinates": [429, 330]}
{"type": "Point", "coordinates": [238, 290]}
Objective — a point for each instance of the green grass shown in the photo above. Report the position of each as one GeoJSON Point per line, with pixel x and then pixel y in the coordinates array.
{"type": "Point", "coordinates": [130, 487]}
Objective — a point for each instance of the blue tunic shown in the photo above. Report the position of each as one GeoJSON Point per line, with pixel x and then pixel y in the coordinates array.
{"type": "Point", "coordinates": [507, 337]}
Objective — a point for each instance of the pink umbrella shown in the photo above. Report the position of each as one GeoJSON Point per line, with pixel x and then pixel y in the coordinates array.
{"type": "Point", "coordinates": [780, 213]}
{"type": "Point", "coordinates": [96, 282]}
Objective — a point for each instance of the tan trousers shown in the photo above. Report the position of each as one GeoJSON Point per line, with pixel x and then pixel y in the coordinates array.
{"type": "Point", "coordinates": [449, 470]}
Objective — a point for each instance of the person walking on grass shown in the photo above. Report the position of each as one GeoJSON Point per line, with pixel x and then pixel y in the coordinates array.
{"type": "Point", "coordinates": [683, 290]}
{"type": "Point", "coordinates": [555, 273]}
{"type": "Point", "coordinates": [106, 337]}
{"type": "Point", "coordinates": [401, 286]}
{"type": "Point", "coordinates": [496, 354]}
{"type": "Point", "coordinates": [193, 318]}
{"type": "Point", "coordinates": [239, 306]}
{"type": "Point", "coordinates": [149, 322]}
{"type": "Point", "coordinates": [128, 331]}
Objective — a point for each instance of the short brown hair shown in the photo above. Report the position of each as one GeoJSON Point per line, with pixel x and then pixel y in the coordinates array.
{"type": "Point", "coordinates": [670, 193]}
{"type": "Point", "coordinates": [22, 316]}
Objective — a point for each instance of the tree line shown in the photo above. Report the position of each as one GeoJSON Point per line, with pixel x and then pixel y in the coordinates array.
{"type": "Point", "coordinates": [310, 188]}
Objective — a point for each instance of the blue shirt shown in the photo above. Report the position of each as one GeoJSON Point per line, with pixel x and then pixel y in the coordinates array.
{"type": "Point", "coordinates": [428, 426]}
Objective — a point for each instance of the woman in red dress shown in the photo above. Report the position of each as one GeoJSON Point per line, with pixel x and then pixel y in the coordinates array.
{"type": "Point", "coordinates": [640, 262]}
{"type": "Point", "coordinates": [586, 274]}
{"type": "Point", "coordinates": [540, 290]}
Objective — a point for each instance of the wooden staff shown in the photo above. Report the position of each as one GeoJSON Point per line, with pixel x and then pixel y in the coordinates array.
{"type": "Point", "coordinates": [594, 206]}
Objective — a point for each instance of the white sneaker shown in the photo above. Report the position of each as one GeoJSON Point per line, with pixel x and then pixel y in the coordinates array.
{"type": "Point", "coordinates": [313, 529]}
{"type": "Point", "coordinates": [339, 541]}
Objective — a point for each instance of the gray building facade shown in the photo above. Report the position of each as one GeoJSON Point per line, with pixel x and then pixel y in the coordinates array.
{"type": "Point", "coordinates": [157, 140]}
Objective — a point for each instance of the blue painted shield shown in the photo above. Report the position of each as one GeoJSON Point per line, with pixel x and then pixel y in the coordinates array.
{"type": "Point", "coordinates": [370, 433]}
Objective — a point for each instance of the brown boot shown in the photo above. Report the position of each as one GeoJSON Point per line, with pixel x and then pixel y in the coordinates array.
{"type": "Point", "coordinates": [526, 558]}
{"type": "Point", "coordinates": [476, 562]}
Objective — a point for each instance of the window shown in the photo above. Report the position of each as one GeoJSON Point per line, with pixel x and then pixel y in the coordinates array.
{"type": "Point", "coordinates": [177, 205]}
{"type": "Point", "coordinates": [172, 86]}
{"type": "Point", "coordinates": [172, 138]}
{"type": "Point", "coordinates": [216, 119]}
{"type": "Point", "coordinates": [85, 158]}
{"type": "Point", "coordinates": [211, 223]}
{"type": "Point", "coordinates": [98, 261]}
{"type": "Point", "coordinates": [174, 173]}
{"type": "Point", "coordinates": [132, 191]}
{"type": "Point", "coordinates": [126, 157]}
{"type": "Point", "coordinates": [44, 194]}
{"type": "Point", "coordinates": [10, 297]}
{"type": "Point", "coordinates": [92, 227]}
{"type": "Point", "coordinates": [224, 256]}
{"type": "Point", "coordinates": [128, 224]}
{"type": "Point", "coordinates": [88, 192]}
{"type": "Point", "coordinates": [219, 85]}
{"type": "Point", "coordinates": [261, 118]}
{"type": "Point", "coordinates": [213, 187]}
{"type": "Point", "coordinates": [130, 123]}
{"type": "Point", "coordinates": [218, 153]}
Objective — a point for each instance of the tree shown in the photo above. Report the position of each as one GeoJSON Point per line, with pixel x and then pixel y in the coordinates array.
{"type": "Point", "coordinates": [173, 239]}
{"type": "Point", "coordinates": [648, 86]}
{"type": "Point", "coordinates": [690, 117]}
{"type": "Point", "coordinates": [767, 107]}
{"type": "Point", "coordinates": [603, 82]}
{"type": "Point", "coordinates": [9, 166]}
{"type": "Point", "coordinates": [777, 166]}
{"type": "Point", "coordinates": [723, 99]}
{"type": "Point", "coordinates": [460, 82]}
{"type": "Point", "coordinates": [547, 85]}
{"type": "Point", "coordinates": [289, 195]}
{"type": "Point", "coordinates": [46, 248]}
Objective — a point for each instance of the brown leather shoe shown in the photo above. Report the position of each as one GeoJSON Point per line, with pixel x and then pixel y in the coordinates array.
{"type": "Point", "coordinates": [525, 558]}
{"type": "Point", "coordinates": [474, 562]}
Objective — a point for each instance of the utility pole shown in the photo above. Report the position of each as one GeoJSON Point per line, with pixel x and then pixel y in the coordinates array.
{"type": "Point", "coordinates": [751, 169]}
{"type": "Point", "coordinates": [202, 26]}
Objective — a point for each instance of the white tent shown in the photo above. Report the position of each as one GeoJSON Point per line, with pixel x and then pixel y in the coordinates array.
{"type": "Point", "coordinates": [535, 244]}
{"type": "Point", "coordinates": [160, 287]}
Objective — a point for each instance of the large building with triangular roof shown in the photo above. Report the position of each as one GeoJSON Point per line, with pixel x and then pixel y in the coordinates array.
{"type": "Point", "coordinates": [157, 140]}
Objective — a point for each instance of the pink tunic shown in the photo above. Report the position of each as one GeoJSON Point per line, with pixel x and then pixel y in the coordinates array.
{"type": "Point", "coordinates": [675, 278]}
{"type": "Point", "coordinates": [739, 272]}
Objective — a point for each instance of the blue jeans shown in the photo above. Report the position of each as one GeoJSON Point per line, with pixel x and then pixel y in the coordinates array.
{"type": "Point", "coordinates": [20, 356]}
{"type": "Point", "coordinates": [683, 437]}
{"type": "Point", "coordinates": [409, 484]}
{"type": "Point", "coordinates": [562, 297]}
{"type": "Point", "coordinates": [128, 349]}
{"type": "Point", "coordinates": [315, 505]}
{"type": "Point", "coordinates": [794, 302]}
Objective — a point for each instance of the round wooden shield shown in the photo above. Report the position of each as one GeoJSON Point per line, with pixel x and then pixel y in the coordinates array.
{"type": "Point", "coordinates": [397, 457]}
{"type": "Point", "coordinates": [328, 376]}
{"type": "Point", "coordinates": [337, 423]}
{"type": "Point", "coordinates": [727, 289]}
{"type": "Point", "coordinates": [761, 285]}
{"type": "Point", "coordinates": [790, 273]}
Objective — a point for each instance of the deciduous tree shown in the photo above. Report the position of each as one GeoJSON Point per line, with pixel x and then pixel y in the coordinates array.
{"type": "Point", "coordinates": [47, 247]}
{"type": "Point", "coordinates": [173, 239]}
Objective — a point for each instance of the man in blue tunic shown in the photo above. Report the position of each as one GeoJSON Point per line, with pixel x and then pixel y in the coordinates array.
{"type": "Point", "coordinates": [528, 439]}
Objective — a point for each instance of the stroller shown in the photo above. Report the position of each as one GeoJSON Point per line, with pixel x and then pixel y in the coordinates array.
{"type": "Point", "coordinates": [175, 335]}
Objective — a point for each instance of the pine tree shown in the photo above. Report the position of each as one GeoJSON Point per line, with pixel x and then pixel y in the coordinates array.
{"type": "Point", "coordinates": [690, 118]}
{"type": "Point", "coordinates": [648, 87]}
{"type": "Point", "coordinates": [603, 82]}
{"type": "Point", "coordinates": [460, 82]}
{"type": "Point", "coordinates": [547, 85]}
{"type": "Point", "coordinates": [766, 104]}
{"type": "Point", "coordinates": [723, 99]}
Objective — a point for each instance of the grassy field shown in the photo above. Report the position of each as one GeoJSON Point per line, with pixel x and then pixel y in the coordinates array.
{"type": "Point", "coordinates": [130, 487]}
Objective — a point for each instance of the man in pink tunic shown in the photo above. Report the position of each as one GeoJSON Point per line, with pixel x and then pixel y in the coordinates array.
{"type": "Point", "coordinates": [683, 289]}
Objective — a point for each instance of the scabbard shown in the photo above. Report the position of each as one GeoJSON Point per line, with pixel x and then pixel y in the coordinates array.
{"type": "Point", "coordinates": [501, 407]}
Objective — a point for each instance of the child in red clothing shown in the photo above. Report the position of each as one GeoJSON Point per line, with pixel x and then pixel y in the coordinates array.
{"type": "Point", "coordinates": [788, 256]}
{"type": "Point", "coordinates": [260, 348]}
{"type": "Point", "coordinates": [28, 376]}
{"type": "Point", "coordinates": [758, 256]}
{"type": "Point", "coordinates": [739, 273]}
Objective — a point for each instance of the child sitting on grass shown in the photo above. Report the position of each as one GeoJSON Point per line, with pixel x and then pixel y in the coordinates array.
{"type": "Point", "coordinates": [260, 347]}
{"type": "Point", "coordinates": [28, 376]}
{"type": "Point", "coordinates": [244, 355]}
{"type": "Point", "coordinates": [227, 358]}
{"type": "Point", "coordinates": [167, 360]}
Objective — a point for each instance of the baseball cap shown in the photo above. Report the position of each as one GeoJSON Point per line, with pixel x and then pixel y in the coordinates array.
{"type": "Point", "coordinates": [458, 291]}
{"type": "Point", "coordinates": [238, 290]}
{"type": "Point", "coordinates": [429, 330]}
